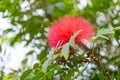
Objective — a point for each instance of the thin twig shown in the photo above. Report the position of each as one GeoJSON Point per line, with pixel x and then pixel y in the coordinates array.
{"type": "Point", "coordinates": [80, 72]}
{"type": "Point", "coordinates": [97, 60]}
{"type": "Point", "coordinates": [103, 68]}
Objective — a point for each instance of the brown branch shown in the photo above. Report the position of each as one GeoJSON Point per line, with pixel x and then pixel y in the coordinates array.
{"type": "Point", "coordinates": [95, 58]}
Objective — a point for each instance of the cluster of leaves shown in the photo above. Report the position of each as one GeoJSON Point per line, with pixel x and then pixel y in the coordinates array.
{"type": "Point", "coordinates": [103, 14]}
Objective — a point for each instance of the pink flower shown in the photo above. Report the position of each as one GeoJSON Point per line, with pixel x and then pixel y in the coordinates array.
{"type": "Point", "coordinates": [61, 31]}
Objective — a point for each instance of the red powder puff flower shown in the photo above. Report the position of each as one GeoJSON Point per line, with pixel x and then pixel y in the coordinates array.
{"type": "Point", "coordinates": [62, 30]}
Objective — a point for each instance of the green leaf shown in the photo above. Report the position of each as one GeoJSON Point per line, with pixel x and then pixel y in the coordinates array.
{"type": "Point", "coordinates": [38, 75]}
{"type": "Point", "coordinates": [116, 28]}
{"type": "Point", "coordinates": [65, 51]}
{"type": "Point", "coordinates": [45, 65]}
{"type": "Point", "coordinates": [30, 52]}
{"type": "Point", "coordinates": [2, 7]}
{"type": "Point", "coordinates": [105, 31]}
{"type": "Point", "coordinates": [60, 5]}
{"type": "Point", "coordinates": [72, 39]}
{"type": "Point", "coordinates": [48, 62]}
{"type": "Point", "coordinates": [118, 75]}
{"type": "Point", "coordinates": [112, 77]}
{"type": "Point", "coordinates": [0, 48]}
{"type": "Point", "coordinates": [35, 65]}
{"type": "Point", "coordinates": [101, 76]}
{"type": "Point", "coordinates": [113, 60]}
{"type": "Point", "coordinates": [42, 54]}
{"type": "Point", "coordinates": [8, 30]}
{"type": "Point", "coordinates": [25, 74]}
{"type": "Point", "coordinates": [24, 61]}
{"type": "Point", "coordinates": [72, 42]}
{"type": "Point", "coordinates": [75, 35]}
{"type": "Point", "coordinates": [50, 75]}
{"type": "Point", "coordinates": [104, 37]}
{"type": "Point", "coordinates": [50, 9]}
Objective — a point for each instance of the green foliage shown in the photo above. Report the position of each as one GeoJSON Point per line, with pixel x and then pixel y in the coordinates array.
{"type": "Point", "coordinates": [67, 64]}
{"type": "Point", "coordinates": [25, 74]}
{"type": "Point", "coordinates": [72, 39]}
{"type": "Point", "coordinates": [65, 51]}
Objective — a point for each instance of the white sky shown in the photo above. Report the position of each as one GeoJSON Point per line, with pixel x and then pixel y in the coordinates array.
{"type": "Point", "coordinates": [14, 55]}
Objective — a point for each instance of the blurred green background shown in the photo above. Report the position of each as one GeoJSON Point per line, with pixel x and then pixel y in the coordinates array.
{"type": "Point", "coordinates": [29, 22]}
